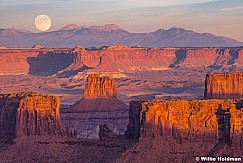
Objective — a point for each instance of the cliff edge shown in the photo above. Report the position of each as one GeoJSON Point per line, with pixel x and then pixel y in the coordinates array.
{"type": "Point", "coordinates": [223, 86]}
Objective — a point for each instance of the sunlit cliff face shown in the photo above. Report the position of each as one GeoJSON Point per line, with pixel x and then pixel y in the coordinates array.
{"type": "Point", "coordinates": [30, 114]}
{"type": "Point", "coordinates": [221, 86]}
{"type": "Point", "coordinates": [97, 86]}
{"type": "Point", "coordinates": [202, 120]}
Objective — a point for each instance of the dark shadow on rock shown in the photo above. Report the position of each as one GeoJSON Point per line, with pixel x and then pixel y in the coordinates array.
{"type": "Point", "coordinates": [8, 118]}
{"type": "Point", "coordinates": [223, 60]}
{"type": "Point", "coordinates": [180, 57]}
{"type": "Point", "coordinates": [234, 53]}
{"type": "Point", "coordinates": [215, 67]}
{"type": "Point", "coordinates": [208, 95]}
{"type": "Point", "coordinates": [70, 73]}
{"type": "Point", "coordinates": [223, 119]}
{"type": "Point", "coordinates": [239, 104]}
{"type": "Point", "coordinates": [49, 63]}
{"type": "Point", "coordinates": [7, 122]}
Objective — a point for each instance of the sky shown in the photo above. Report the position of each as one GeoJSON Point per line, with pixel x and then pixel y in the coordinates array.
{"type": "Point", "coordinates": [219, 17]}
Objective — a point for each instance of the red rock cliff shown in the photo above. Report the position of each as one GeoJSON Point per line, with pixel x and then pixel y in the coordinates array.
{"type": "Point", "coordinates": [68, 62]}
{"type": "Point", "coordinates": [97, 86]}
{"type": "Point", "coordinates": [26, 114]}
{"type": "Point", "coordinates": [187, 121]}
{"type": "Point", "coordinates": [99, 94]}
{"type": "Point", "coordinates": [15, 62]}
{"type": "Point", "coordinates": [222, 86]}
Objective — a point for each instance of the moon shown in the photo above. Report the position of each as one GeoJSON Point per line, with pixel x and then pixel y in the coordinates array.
{"type": "Point", "coordinates": [43, 22]}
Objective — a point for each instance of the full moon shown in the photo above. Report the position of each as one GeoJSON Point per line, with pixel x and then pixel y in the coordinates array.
{"type": "Point", "coordinates": [43, 22]}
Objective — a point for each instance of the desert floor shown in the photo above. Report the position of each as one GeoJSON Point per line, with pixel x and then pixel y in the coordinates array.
{"type": "Point", "coordinates": [137, 85]}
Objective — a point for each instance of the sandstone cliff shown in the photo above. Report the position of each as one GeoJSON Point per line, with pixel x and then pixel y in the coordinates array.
{"type": "Point", "coordinates": [50, 63]}
{"type": "Point", "coordinates": [32, 61]}
{"type": "Point", "coordinates": [97, 86]}
{"type": "Point", "coordinates": [213, 121]}
{"type": "Point", "coordinates": [222, 86]}
{"type": "Point", "coordinates": [118, 58]}
{"type": "Point", "coordinates": [28, 114]}
{"type": "Point", "coordinates": [183, 131]}
{"type": "Point", "coordinates": [121, 58]}
{"type": "Point", "coordinates": [15, 62]}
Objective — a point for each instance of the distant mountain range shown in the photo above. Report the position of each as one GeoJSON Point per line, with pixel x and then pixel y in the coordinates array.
{"type": "Point", "coordinates": [111, 34]}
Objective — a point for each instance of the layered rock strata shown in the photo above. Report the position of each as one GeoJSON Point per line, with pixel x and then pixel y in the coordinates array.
{"type": "Point", "coordinates": [70, 62]}
{"type": "Point", "coordinates": [222, 86]}
{"type": "Point", "coordinates": [97, 86]}
{"type": "Point", "coordinates": [213, 121]}
{"type": "Point", "coordinates": [29, 114]}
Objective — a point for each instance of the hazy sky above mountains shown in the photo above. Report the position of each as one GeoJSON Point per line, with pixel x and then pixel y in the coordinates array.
{"type": "Point", "coordinates": [220, 17]}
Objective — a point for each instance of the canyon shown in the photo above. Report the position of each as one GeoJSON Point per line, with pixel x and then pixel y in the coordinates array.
{"type": "Point", "coordinates": [139, 72]}
{"type": "Point", "coordinates": [181, 130]}
{"type": "Point", "coordinates": [31, 131]}
{"type": "Point", "coordinates": [117, 59]}
{"type": "Point", "coordinates": [193, 120]}
{"type": "Point", "coordinates": [105, 92]}
{"type": "Point", "coordinates": [187, 129]}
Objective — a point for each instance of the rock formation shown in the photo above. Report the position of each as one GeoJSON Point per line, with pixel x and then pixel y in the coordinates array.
{"type": "Point", "coordinates": [100, 95]}
{"type": "Point", "coordinates": [15, 62]}
{"type": "Point", "coordinates": [97, 86]}
{"type": "Point", "coordinates": [214, 121]}
{"type": "Point", "coordinates": [118, 47]}
{"type": "Point", "coordinates": [50, 63]}
{"type": "Point", "coordinates": [34, 61]}
{"type": "Point", "coordinates": [222, 86]}
{"type": "Point", "coordinates": [77, 48]}
{"type": "Point", "coordinates": [117, 58]}
{"type": "Point", "coordinates": [106, 132]}
{"type": "Point", "coordinates": [29, 114]}
{"type": "Point", "coordinates": [99, 106]}
{"type": "Point", "coordinates": [37, 47]}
